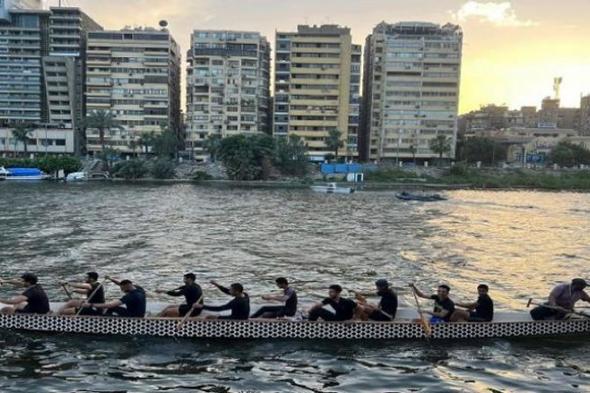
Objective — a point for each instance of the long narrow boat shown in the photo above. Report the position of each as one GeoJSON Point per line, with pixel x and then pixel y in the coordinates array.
{"type": "Point", "coordinates": [506, 324]}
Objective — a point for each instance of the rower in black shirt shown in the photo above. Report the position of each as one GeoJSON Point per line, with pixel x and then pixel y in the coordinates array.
{"type": "Point", "coordinates": [191, 291]}
{"type": "Point", "coordinates": [343, 308]}
{"type": "Point", "coordinates": [133, 300]}
{"type": "Point", "coordinates": [289, 298]}
{"type": "Point", "coordinates": [387, 308]}
{"type": "Point", "coordinates": [239, 305]}
{"type": "Point", "coordinates": [443, 305]}
{"type": "Point", "coordinates": [480, 311]}
{"type": "Point", "coordinates": [91, 287]}
{"type": "Point", "coordinates": [32, 301]}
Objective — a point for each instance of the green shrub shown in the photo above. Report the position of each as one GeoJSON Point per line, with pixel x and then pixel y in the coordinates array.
{"type": "Point", "coordinates": [130, 170]}
{"type": "Point", "coordinates": [460, 170]}
{"type": "Point", "coordinates": [163, 169]}
{"type": "Point", "coordinates": [200, 176]}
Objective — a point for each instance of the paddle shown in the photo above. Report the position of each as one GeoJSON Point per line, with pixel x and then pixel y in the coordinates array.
{"type": "Point", "coordinates": [531, 302]}
{"type": "Point", "coordinates": [100, 285]}
{"type": "Point", "coordinates": [188, 315]}
{"type": "Point", "coordinates": [425, 324]}
{"type": "Point", "coordinates": [64, 286]}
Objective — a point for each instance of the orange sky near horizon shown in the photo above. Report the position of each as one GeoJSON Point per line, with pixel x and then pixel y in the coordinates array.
{"type": "Point", "coordinates": [512, 49]}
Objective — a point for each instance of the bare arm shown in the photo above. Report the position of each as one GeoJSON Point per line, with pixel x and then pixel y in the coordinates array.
{"type": "Point", "coordinates": [113, 280]}
{"type": "Point", "coordinates": [14, 300]}
{"type": "Point", "coordinates": [419, 293]}
{"type": "Point", "coordinates": [113, 304]}
{"type": "Point", "coordinates": [469, 306]}
{"type": "Point", "coordinates": [221, 287]}
{"type": "Point", "coordinates": [11, 281]}
{"type": "Point", "coordinates": [80, 286]}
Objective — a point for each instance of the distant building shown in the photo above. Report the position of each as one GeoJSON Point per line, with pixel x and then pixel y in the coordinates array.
{"type": "Point", "coordinates": [585, 115]}
{"type": "Point", "coordinates": [48, 140]}
{"type": "Point", "coordinates": [135, 74]}
{"type": "Point", "coordinates": [317, 82]}
{"type": "Point", "coordinates": [228, 86]}
{"type": "Point", "coordinates": [42, 65]}
{"type": "Point", "coordinates": [411, 89]}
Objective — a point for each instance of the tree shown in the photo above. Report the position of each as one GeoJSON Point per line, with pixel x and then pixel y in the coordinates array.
{"type": "Point", "coordinates": [291, 155]}
{"type": "Point", "coordinates": [21, 133]}
{"type": "Point", "coordinates": [334, 141]}
{"type": "Point", "coordinates": [102, 121]}
{"type": "Point", "coordinates": [481, 149]}
{"type": "Point", "coordinates": [247, 157]}
{"type": "Point", "coordinates": [441, 145]}
{"type": "Point", "coordinates": [213, 145]}
{"type": "Point", "coordinates": [165, 143]}
{"type": "Point", "coordinates": [146, 140]}
{"type": "Point", "coordinates": [568, 154]}
{"type": "Point", "coordinates": [133, 144]}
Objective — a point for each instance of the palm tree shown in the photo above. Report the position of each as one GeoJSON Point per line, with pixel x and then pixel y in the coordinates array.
{"type": "Point", "coordinates": [21, 132]}
{"type": "Point", "coordinates": [102, 121]}
{"type": "Point", "coordinates": [213, 145]}
{"type": "Point", "coordinates": [146, 140]}
{"type": "Point", "coordinates": [441, 145]}
{"type": "Point", "coordinates": [334, 141]}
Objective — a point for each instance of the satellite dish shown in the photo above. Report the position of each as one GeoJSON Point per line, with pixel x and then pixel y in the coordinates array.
{"type": "Point", "coordinates": [163, 24]}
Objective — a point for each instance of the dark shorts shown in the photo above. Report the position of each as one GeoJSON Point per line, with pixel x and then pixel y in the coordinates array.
{"type": "Point", "coordinates": [25, 311]}
{"type": "Point", "coordinates": [183, 309]}
{"type": "Point", "coordinates": [89, 311]}
{"type": "Point", "coordinates": [379, 316]}
{"type": "Point", "coordinates": [474, 317]}
{"type": "Point", "coordinates": [436, 320]}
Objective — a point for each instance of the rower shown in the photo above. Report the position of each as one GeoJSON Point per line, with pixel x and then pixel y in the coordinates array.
{"type": "Point", "coordinates": [91, 287]}
{"type": "Point", "coordinates": [386, 309]}
{"type": "Point", "coordinates": [562, 300]}
{"type": "Point", "coordinates": [32, 301]}
{"type": "Point", "coordinates": [481, 310]}
{"type": "Point", "coordinates": [443, 305]}
{"type": "Point", "coordinates": [289, 298]}
{"type": "Point", "coordinates": [191, 291]}
{"type": "Point", "coordinates": [344, 308]}
{"type": "Point", "coordinates": [133, 300]}
{"type": "Point", "coordinates": [239, 305]}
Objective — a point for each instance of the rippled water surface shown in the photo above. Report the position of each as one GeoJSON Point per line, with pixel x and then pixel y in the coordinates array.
{"type": "Point", "coordinates": [520, 243]}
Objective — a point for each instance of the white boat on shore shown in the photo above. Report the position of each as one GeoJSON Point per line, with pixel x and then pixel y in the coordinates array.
{"type": "Point", "coordinates": [505, 325]}
{"type": "Point", "coordinates": [332, 188]}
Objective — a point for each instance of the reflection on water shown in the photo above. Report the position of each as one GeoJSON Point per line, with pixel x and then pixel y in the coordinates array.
{"type": "Point", "coordinates": [521, 243]}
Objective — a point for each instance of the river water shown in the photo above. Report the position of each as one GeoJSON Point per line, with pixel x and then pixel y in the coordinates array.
{"type": "Point", "coordinates": [520, 243]}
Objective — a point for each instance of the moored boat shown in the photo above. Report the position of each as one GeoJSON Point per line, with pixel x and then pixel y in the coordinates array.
{"type": "Point", "coordinates": [3, 173]}
{"type": "Point", "coordinates": [505, 324]}
{"type": "Point", "coordinates": [24, 174]}
{"type": "Point", "coordinates": [332, 188]}
{"type": "Point", "coordinates": [406, 196]}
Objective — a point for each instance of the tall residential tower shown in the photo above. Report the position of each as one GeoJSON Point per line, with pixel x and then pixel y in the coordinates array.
{"type": "Point", "coordinates": [228, 86]}
{"type": "Point", "coordinates": [411, 89]}
{"type": "Point", "coordinates": [135, 74]}
{"type": "Point", "coordinates": [317, 81]}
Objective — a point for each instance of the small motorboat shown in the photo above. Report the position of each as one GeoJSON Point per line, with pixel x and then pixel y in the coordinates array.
{"type": "Point", "coordinates": [3, 173]}
{"type": "Point", "coordinates": [24, 174]}
{"type": "Point", "coordinates": [332, 188]}
{"type": "Point", "coordinates": [406, 196]}
{"type": "Point", "coordinates": [77, 177]}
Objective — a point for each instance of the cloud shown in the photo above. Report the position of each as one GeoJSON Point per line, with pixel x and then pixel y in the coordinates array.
{"type": "Point", "coordinates": [499, 14]}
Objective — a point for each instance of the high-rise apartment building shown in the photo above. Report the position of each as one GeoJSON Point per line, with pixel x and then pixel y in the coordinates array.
{"type": "Point", "coordinates": [134, 74]}
{"type": "Point", "coordinates": [24, 36]}
{"type": "Point", "coordinates": [317, 82]}
{"type": "Point", "coordinates": [64, 67]}
{"type": "Point", "coordinates": [228, 86]}
{"type": "Point", "coordinates": [411, 89]}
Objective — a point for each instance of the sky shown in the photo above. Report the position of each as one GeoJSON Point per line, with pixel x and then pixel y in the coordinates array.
{"type": "Point", "coordinates": [512, 49]}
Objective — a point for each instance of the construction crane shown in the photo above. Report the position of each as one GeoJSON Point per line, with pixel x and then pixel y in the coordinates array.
{"type": "Point", "coordinates": [557, 87]}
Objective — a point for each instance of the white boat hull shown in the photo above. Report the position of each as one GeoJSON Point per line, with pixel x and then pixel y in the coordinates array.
{"type": "Point", "coordinates": [511, 325]}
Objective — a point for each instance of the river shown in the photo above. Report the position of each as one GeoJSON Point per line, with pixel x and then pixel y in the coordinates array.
{"type": "Point", "coordinates": [520, 243]}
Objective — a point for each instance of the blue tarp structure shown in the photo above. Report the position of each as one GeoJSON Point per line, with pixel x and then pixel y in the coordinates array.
{"type": "Point", "coordinates": [328, 169]}
{"type": "Point", "coordinates": [24, 171]}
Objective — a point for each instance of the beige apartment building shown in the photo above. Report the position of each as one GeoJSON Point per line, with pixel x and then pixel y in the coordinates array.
{"type": "Point", "coordinates": [135, 74]}
{"type": "Point", "coordinates": [317, 83]}
{"type": "Point", "coordinates": [411, 89]}
{"type": "Point", "coordinates": [228, 86]}
{"type": "Point", "coordinates": [585, 115]}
